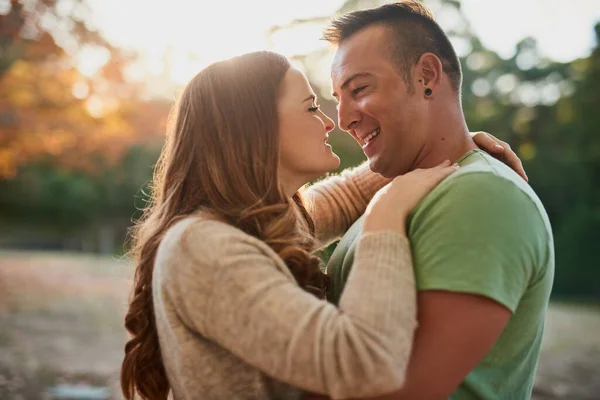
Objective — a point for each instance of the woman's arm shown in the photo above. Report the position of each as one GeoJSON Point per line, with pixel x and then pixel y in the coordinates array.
{"type": "Point", "coordinates": [236, 291]}
{"type": "Point", "coordinates": [232, 289]}
{"type": "Point", "coordinates": [337, 201]}
{"type": "Point", "coordinates": [500, 150]}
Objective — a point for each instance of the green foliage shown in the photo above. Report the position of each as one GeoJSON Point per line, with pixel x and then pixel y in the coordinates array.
{"type": "Point", "coordinates": [46, 204]}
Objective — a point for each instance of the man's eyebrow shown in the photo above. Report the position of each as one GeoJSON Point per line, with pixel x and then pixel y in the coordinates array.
{"type": "Point", "coordinates": [350, 79]}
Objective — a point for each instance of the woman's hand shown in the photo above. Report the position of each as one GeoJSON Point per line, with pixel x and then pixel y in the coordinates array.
{"type": "Point", "coordinates": [391, 205]}
{"type": "Point", "coordinates": [500, 150]}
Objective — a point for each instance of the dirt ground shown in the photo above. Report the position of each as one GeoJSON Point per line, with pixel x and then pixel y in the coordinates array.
{"type": "Point", "coordinates": [61, 323]}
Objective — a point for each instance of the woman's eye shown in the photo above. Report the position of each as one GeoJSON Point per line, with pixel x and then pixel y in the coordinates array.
{"type": "Point", "coordinates": [314, 109]}
{"type": "Point", "coordinates": [358, 90]}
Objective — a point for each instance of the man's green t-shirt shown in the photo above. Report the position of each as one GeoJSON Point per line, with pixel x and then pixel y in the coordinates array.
{"type": "Point", "coordinates": [482, 231]}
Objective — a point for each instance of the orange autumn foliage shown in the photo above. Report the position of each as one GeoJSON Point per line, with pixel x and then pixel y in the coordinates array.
{"type": "Point", "coordinates": [43, 117]}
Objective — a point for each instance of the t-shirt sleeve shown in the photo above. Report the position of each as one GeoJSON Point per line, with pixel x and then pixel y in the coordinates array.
{"type": "Point", "coordinates": [479, 234]}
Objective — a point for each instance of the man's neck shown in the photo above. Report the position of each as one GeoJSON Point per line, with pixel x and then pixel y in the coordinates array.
{"type": "Point", "coordinates": [449, 140]}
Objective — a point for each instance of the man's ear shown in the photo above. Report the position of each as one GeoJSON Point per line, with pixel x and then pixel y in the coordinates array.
{"type": "Point", "coordinates": [429, 71]}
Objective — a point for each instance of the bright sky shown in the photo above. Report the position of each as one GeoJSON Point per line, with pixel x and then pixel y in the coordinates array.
{"type": "Point", "coordinates": [196, 33]}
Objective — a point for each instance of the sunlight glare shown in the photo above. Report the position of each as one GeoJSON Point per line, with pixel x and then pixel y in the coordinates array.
{"type": "Point", "coordinates": [90, 59]}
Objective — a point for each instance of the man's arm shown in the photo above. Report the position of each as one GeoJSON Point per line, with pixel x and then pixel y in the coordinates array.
{"type": "Point", "coordinates": [455, 332]}
{"type": "Point", "coordinates": [475, 250]}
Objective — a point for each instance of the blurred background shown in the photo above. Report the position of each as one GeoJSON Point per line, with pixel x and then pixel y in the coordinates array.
{"type": "Point", "coordinates": [85, 89]}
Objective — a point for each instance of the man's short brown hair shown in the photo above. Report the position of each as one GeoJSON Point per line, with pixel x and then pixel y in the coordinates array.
{"type": "Point", "coordinates": [413, 31]}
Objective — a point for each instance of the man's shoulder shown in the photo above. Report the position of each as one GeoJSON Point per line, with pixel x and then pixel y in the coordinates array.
{"type": "Point", "coordinates": [483, 187]}
{"type": "Point", "coordinates": [480, 177]}
{"type": "Point", "coordinates": [483, 169]}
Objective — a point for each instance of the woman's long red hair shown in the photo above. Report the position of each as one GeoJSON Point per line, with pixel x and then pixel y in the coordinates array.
{"type": "Point", "coordinates": [221, 155]}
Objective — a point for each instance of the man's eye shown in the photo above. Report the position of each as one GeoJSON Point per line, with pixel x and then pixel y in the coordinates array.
{"type": "Point", "coordinates": [358, 90]}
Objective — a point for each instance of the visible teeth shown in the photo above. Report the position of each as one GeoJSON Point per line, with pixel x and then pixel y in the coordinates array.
{"type": "Point", "coordinates": [372, 135]}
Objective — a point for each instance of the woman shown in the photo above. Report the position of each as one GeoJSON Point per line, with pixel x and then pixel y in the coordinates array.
{"type": "Point", "coordinates": [225, 278]}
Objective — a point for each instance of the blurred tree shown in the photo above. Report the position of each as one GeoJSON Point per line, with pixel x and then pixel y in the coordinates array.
{"type": "Point", "coordinates": [31, 29]}
{"type": "Point", "coordinates": [578, 230]}
{"type": "Point", "coordinates": [49, 205]}
{"type": "Point", "coordinates": [70, 155]}
{"type": "Point", "coordinates": [47, 106]}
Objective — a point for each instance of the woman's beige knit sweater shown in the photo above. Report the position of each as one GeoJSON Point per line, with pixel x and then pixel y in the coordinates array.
{"type": "Point", "coordinates": [234, 324]}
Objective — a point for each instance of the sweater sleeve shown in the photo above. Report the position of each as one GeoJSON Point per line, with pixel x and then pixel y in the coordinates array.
{"type": "Point", "coordinates": [337, 201]}
{"type": "Point", "coordinates": [234, 290]}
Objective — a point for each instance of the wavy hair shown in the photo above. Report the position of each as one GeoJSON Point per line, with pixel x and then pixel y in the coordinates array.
{"type": "Point", "coordinates": [221, 155]}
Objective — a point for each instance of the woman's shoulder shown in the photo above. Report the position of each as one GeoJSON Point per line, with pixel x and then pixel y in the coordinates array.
{"type": "Point", "coordinates": [201, 244]}
{"type": "Point", "coordinates": [204, 230]}
{"type": "Point", "coordinates": [205, 236]}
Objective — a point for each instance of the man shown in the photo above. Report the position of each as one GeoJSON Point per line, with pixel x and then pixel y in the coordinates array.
{"type": "Point", "coordinates": [481, 241]}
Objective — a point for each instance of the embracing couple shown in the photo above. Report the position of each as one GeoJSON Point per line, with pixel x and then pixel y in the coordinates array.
{"type": "Point", "coordinates": [439, 286]}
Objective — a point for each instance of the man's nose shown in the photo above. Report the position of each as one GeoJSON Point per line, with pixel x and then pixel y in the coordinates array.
{"type": "Point", "coordinates": [348, 116]}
